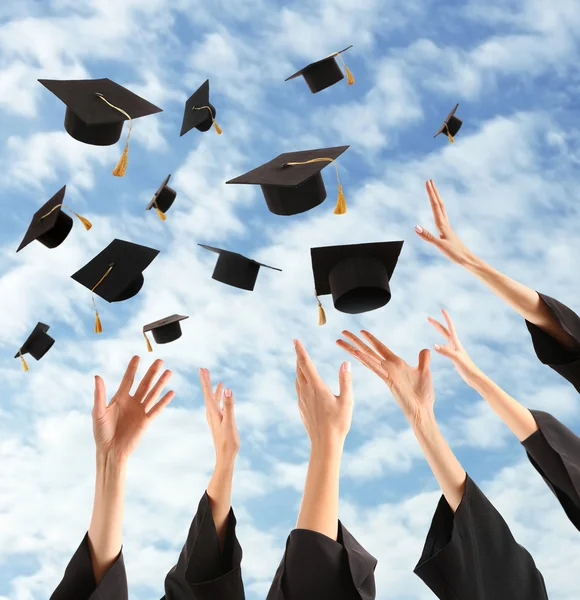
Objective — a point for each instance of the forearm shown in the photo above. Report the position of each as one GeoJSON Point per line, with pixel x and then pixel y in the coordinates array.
{"type": "Point", "coordinates": [106, 528]}
{"type": "Point", "coordinates": [446, 468]}
{"type": "Point", "coordinates": [319, 508]}
{"type": "Point", "coordinates": [521, 298]}
{"type": "Point", "coordinates": [219, 491]}
{"type": "Point", "coordinates": [516, 416]}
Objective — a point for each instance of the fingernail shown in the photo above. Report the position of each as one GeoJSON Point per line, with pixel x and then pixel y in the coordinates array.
{"type": "Point", "coordinates": [437, 347]}
{"type": "Point", "coordinates": [347, 367]}
{"type": "Point", "coordinates": [227, 392]}
{"type": "Point", "coordinates": [418, 229]}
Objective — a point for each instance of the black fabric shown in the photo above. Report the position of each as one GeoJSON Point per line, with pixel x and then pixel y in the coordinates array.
{"type": "Point", "coordinates": [79, 583]}
{"type": "Point", "coordinates": [202, 573]}
{"type": "Point", "coordinates": [551, 352]}
{"type": "Point", "coordinates": [472, 555]}
{"type": "Point", "coordinates": [554, 451]}
{"type": "Point", "coordinates": [315, 567]}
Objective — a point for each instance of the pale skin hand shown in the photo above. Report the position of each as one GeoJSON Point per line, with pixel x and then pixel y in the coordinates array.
{"type": "Point", "coordinates": [413, 390]}
{"type": "Point", "coordinates": [117, 430]}
{"type": "Point", "coordinates": [524, 300]}
{"type": "Point", "coordinates": [517, 417]}
{"type": "Point", "coordinates": [327, 419]}
{"type": "Point", "coordinates": [226, 440]}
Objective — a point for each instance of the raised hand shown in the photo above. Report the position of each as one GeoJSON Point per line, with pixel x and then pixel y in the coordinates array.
{"type": "Point", "coordinates": [326, 417]}
{"type": "Point", "coordinates": [119, 427]}
{"type": "Point", "coordinates": [221, 421]}
{"type": "Point", "coordinates": [412, 387]}
{"type": "Point", "coordinates": [448, 241]}
{"type": "Point", "coordinates": [454, 349]}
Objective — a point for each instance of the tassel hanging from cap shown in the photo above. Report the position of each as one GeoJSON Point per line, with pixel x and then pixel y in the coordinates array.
{"type": "Point", "coordinates": [24, 365]}
{"type": "Point", "coordinates": [159, 212]}
{"type": "Point", "coordinates": [82, 219]}
{"type": "Point", "coordinates": [451, 140]}
{"type": "Point", "coordinates": [217, 128]}
{"type": "Point", "coordinates": [321, 313]}
{"type": "Point", "coordinates": [98, 326]}
{"type": "Point", "coordinates": [149, 349]}
{"type": "Point", "coordinates": [121, 168]}
{"type": "Point", "coordinates": [349, 75]}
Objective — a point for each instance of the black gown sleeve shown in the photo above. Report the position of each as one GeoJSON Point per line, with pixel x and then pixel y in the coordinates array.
{"type": "Point", "coordinates": [315, 567]}
{"type": "Point", "coordinates": [549, 351]}
{"type": "Point", "coordinates": [79, 582]}
{"type": "Point", "coordinates": [202, 572]}
{"type": "Point", "coordinates": [554, 451]}
{"type": "Point", "coordinates": [472, 555]}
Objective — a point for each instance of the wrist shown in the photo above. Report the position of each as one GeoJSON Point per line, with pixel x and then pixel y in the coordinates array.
{"type": "Point", "coordinates": [328, 446]}
{"type": "Point", "coordinates": [110, 462]}
{"type": "Point", "coordinates": [225, 464]}
{"type": "Point", "coordinates": [473, 263]}
{"type": "Point", "coordinates": [422, 420]}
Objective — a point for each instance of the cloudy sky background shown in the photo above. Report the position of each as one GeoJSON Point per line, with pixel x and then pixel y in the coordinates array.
{"type": "Point", "coordinates": [510, 185]}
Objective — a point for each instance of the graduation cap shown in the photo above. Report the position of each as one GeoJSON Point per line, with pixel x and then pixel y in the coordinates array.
{"type": "Point", "coordinates": [37, 344]}
{"type": "Point", "coordinates": [96, 110]}
{"type": "Point", "coordinates": [199, 112]}
{"type": "Point", "coordinates": [164, 331]}
{"type": "Point", "coordinates": [326, 72]}
{"type": "Point", "coordinates": [451, 125]}
{"type": "Point", "coordinates": [162, 199]}
{"type": "Point", "coordinates": [116, 274]}
{"type": "Point", "coordinates": [50, 225]}
{"type": "Point", "coordinates": [357, 275]}
{"type": "Point", "coordinates": [292, 182]}
{"type": "Point", "coordinates": [236, 270]}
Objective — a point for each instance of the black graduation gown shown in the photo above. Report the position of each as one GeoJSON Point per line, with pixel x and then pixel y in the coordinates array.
{"type": "Point", "coordinates": [549, 351]}
{"type": "Point", "coordinates": [79, 583]}
{"type": "Point", "coordinates": [202, 573]}
{"type": "Point", "coordinates": [554, 451]}
{"type": "Point", "coordinates": [472, 555]}
{"type": "Point", "coordinates": [315, 567]}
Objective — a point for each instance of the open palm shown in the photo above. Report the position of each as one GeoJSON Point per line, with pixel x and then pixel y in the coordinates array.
{"type": "Point", "coordinates": [119, 427]}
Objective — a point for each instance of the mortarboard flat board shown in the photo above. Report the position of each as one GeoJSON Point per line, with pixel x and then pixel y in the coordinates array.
{"type": "Point", "coordinates": [199, 112]}
{"type": "Point", "coordinates": [37, 344]}
{"type": "Point", "coordinates": [451, 125]}
{"type": "Point", "coordinates": [236, 270]}
{"type": "Point", "coordinates": [357, 275]}
{"type": "Point", "coordinates": [293, 189]}
{"type": "Point", "coordinates": [323, 73]}
{"type": "Point", "coordinates": [163, 199]}
{"type": "Point", "coordinates": [50, 225]}
{"type": "Point", "coordinates": [164, 331]}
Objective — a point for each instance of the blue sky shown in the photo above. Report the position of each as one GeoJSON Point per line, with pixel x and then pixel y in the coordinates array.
{"type": "Point", "coordinates": [510, 186]}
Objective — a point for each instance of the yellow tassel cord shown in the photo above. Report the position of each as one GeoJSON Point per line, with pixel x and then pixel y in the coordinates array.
{"type": "Point", "coordinates": [349, 75]}
{"type": "Point", "coordinates": [24, 365]}
{"type": "Point", "coordinates": [149, 349]}
{"type": "Point", "coordinates": [449, 134]}
{"type": "Point", "coordinates": [119, 170]}
{"type": "Point", "coordinates": [217, 128]}
{"type": "Point", "coordinates": [340, 208]}
{"type": "Point", "coordinates": [98, 326]}
{"type": "Point", "coordinates": [160, 213]}
{"type": "Point", "coordinates": [82, 219]}
{"type": "Point", "coordinates": [321, 313]}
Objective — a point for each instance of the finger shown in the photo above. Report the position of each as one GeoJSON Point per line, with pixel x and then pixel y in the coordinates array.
{"type": "Point", "coordinates": [129, 377]}
{"type": "Point", "coordinates": [424, 359]}
{"type": "Point", "coordinates": [218, 394]}
{"type": "Point", "coordinates": [161, 405]}
{"type": "Point", "coordinates": [345, 380]}
{"type": "Point", "coordinates": [438, 198]}
{"type": "Point", "coordinates": [427, 236]}
{"type": "Point", "coordinates": [373, 363]}
{"type": "Point", "coordinates": [361, 345]}
{"type": "Point", "coordinates": [100, 399]}
{"type": "Point", "coordinates": [449, 323]}
{"type": "Point", "coordinates": [228, 404]}
{"type": "Point", "coordinates": [205, 380]}
{"type": "Point", "coordinates": [147, 381]}
{"type": "Point", "coordinates": [445, 351]}
{"type": "Point", "coordinates": [440, 328]}
{"type": "Point", "coordinates": [385, 352]}
{"type": "Point", "coordinates": [300, 376]}
{"type": "Point", "coordinates": [435, 207]}
{"type": "Point", "coordinates": [305, 363]}
{"type": "Point", "coordinates": [156, 390]}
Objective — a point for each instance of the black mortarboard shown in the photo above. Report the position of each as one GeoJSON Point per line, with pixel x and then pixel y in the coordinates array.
{"type": "Point", "coordinates": [116, 274]}
{"type": "Point", "coordinates": [451, 125]}
{"type": "Point", "coordinates": [50, 225]}
{"type": "Point", "coordinates": [357, 275]}
{"type": "Point", "coordinates": [37, 344]}
{"type": "Point", "coordinates": [236, 270]}
{"type": "Point", "coordinates": [164, 331]}
{"type": "Point", "coordinates": [163, 199]}
{"type": "Point", "coordinates": [292, 189]}
{"type": "Point", "coordinates": [97, 109]}
{"type": "Point", "coordinates": [199, 112]}
{"type": "Point", "coordinates": [323, 73]}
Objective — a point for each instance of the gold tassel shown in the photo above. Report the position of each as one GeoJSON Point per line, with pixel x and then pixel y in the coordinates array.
{"type": "Point", "coordinates": [451, 140]}
{"type": "Point", "coordinates": [83, 220]}
{"type": "Point", "coordinates": [98, 326]}
{"type": "Point", "coordinates": [24, 365]}
{"type": "Point", "coordinates": [149, 349]}
{"type": "Point", "coordinates": [217, 127]}
{"type": "Point", "coordinates": [321, 313]}
{"type": "Point", "coordinates": [160, 214]}
{"type": "Point", "coordinates": [340, 203]}
{"type": "Point", "coordinates": [119, 170]}
{"type": "Point", "coordinates": [349, 76]}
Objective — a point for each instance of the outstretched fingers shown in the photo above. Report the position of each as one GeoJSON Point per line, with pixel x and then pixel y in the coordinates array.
{"type": "Point", "coordinates": [385, 352]}
{"type": "Point", "coordinates": [129, 376]}
{"type": "Point", "coordinates": [305, 363]}
{"type": "Point", "coordinates": [152, 396]}
{"type": "Point", "coordinates": [147, 380]}
{"type": "Point", "coordinates": [440, 328]}
{"type": "Point", "coordinates": [438, 214]}
{"type": "Point", "coordinates": [161, 405]}
{"type": "Point", "coordinates": [100, 400]}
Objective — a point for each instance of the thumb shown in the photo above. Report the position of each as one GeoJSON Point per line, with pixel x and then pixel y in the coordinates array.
{"type": "Point", "coordinates": [228, 409]}
{"type": "Point", "coordinates": [345, 380]}
{"type": "Point", "coordinates": [424, 359]}
{"type": "Point", "coordinates": [445, 351]}
{"type": "Point", "coordinates": [100, 399]}
{"type": "Point", "coordinates": [427, 235]}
